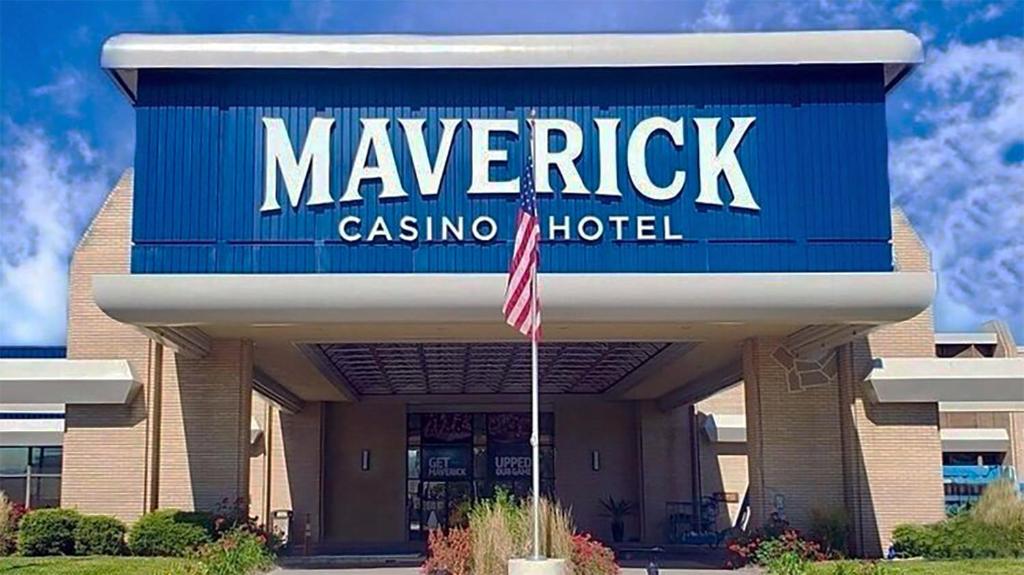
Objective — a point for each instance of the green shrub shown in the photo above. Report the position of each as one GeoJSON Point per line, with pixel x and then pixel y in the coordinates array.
{"type": "Point", "coordinates": [10, 517]}
{"type": "Point", "coordinates": [48, 532]}
{"type": "Point", "coordinates": [831, 528]}
{"type": "Point", "coordinates": [237, 552]}
{"type": "Point", "coordinates": [1000, 506]}
{"type": "Point", "coordinates": [788, 563]}
{"type": "Point", "coordinates": [169, 533]}
{"type": "Point", "coordinates": [960, 537]}
{"type": "Point", "coordinates": [99, 535]}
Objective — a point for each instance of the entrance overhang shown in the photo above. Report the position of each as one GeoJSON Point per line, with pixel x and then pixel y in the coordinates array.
{"type": "Point", "coordinates": [940, 380]}
{"type": "Point", "coordinates": [67, 381]}
{"type": "Point", "coordinates": [787, 298]}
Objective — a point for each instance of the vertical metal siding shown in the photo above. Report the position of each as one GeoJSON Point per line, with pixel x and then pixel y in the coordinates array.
{"type": "Point", "coordinates": [815, 159]}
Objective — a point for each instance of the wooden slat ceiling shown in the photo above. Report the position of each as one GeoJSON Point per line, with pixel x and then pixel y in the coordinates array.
{"type": "Point", "coordinates": [478, 368]}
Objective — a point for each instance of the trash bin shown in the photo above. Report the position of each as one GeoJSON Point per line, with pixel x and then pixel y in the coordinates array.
{"type": "Point", "coordinates": [282, 524]}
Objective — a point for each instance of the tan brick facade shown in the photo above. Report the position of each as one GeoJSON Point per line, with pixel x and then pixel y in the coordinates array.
{"type": "Point", "coordinates": [296, 452]}
{"type": "Point", "coordinates": [203, 434]}
{"type": "Point", "coordinates": [106, 447]}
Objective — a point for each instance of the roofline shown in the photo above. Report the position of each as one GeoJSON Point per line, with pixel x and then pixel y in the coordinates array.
{"type": "Point", "coordinates": [123, 55]}
{"type": "Point", "coordinates": [965, 338]}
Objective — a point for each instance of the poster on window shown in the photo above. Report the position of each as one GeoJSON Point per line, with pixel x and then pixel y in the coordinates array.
{"type": "Point", "coordinates": [509, 461]}
{"type": "Point", "coordinates": [447, 463]}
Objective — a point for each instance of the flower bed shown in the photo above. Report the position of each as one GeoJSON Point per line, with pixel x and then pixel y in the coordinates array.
{"type": "Point", "coordinates": [501, 529]}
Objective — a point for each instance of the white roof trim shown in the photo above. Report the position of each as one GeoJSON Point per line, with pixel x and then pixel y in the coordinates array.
{"type": "Point", "coordinates": [75, 381]}
{"type": "Point", "coordinates": [31, 408]}
{"type": "Point", "coordinates": [979, 338]}
{"type": "Point", "coordinates": [125, 54]}
{"type": "Point", "coordinates": [31, 432]}
{"type": "Point", "coordinates": [787, 298]}
{"type": "Point", "coordinates": [974, 406]}
{"type": "Point", "coordinates": [928, 380]}
{"type": "Point", "coordinates": [726, 428]}
{"type": "Point", "coordinates": [991, 439]}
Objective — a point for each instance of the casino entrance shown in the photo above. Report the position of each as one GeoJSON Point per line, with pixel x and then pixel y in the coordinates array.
{"type": "Point", "coordinates": [456, 457]}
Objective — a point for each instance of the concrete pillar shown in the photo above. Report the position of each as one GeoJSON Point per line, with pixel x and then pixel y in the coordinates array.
{"type": "Point", "coordinates": [295, 444]}
{"type": "Point", "coordinates": [893, 454]}
{"type": "Point", "coordinates": [793, 436]}
{"type": "Point", "coordinates": [206, 427]}
{"type": "Point", "coordinates": [665, 464]}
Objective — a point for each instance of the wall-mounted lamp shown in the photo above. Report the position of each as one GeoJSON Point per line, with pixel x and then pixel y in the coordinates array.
{"type": "Point", "coordinates": [595, 460]}
{"type": "Point", "coordinates": [364, 462]}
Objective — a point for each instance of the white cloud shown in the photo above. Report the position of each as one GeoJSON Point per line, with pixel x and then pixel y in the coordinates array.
{"type": "Point", "coordinates": [67, 90]}
{"type": "Point", "coordinates": [714, 16]}
{"type": "Point", "coordinates": [49, 191]}
{"type": "Point", "coordinates": [959, 188]}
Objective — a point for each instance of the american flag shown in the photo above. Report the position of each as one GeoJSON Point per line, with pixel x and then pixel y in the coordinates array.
{"type": "Point", "coordinates": [522, 303]}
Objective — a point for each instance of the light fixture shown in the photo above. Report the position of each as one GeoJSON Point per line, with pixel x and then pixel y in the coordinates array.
{"type": "Point", "coordinates": [595, 460]}
{"type": "Point", "coordinates": [365, 460]}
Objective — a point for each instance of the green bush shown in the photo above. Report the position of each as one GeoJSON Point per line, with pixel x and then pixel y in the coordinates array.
{"type": "Point", "coordinates": [48, 532]}
{"type": "Point", "coordinates": [960, 537]}
{"type": "Point", "coordinates": [237, 552]}
{"type": "Point", "coordinates": [10, 517]}
{"type": "Point", "coordinates": [830, 527]}
{"type": "Point", "coordinates": [787, 563]}
{"type": "Point", "coordinates": [169, 533]}
{"type": "Point", "coordinates": [99, 535]}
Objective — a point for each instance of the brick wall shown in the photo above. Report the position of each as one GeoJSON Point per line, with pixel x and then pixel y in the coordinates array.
{"type": "Point", "coordinates": [296, 453]}
{"type": "Point", "coordinates": [108, 452]}
{"type": "Point", "coordinates": [724, 465]}
{"type": "Point", "coordinates": [105, 447]}
{"type": "Point", "coordinates": [793, 440]}
{"type": "Point", "coordinates": [204, 455]}
{"type": "Point", "coordinates": [666, 467]}
{"type": "Point", "coordinates": [893, 456]}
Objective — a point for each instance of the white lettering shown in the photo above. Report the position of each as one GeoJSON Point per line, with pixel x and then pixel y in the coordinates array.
{"type": "Point", "coordinates": [279, 155]}
{"type": "Point", "coordinates": [343, 226]}
{"type": "Point", "coordinates": [410, 232]}
{"type": "Point", "coordinates": [451, 229]}
{"type": "Point", "coordinates": [554, 227]}
{"type": "Point", "coordinates": [645, 228]}
{"type": "Point", "coordinates": [608, 153]}
{"type": "Point", "coordinates": [492, 226]}
{"type": "Point", "coordinates": [563, 161]}
{"type": "Point", "coordinates": [619, 222]}
{"type": "Point", "coordinates": [598, 227]}
{"type": "Point", "coordinates": [484, 156]}
{"type": "Point", "coordinates": [636, 158]}
{"type": "Point", "coordinates": [375, 136]}
{"type": "Point", "coordinates": [667, 232]}
{"type": "Point", "coordinates": [379, 229]}
{"type": "Point", "coordinates": [714, 162]}
{"type": "Point", "coordinates": [429, 176]}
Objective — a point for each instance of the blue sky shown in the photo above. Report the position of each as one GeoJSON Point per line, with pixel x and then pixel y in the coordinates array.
{"type": "Point", "coordinates": [956, 126]}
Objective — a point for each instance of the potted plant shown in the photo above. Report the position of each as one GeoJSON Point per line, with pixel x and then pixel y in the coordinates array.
{"type": "Point", "coordinates": [617, 511]}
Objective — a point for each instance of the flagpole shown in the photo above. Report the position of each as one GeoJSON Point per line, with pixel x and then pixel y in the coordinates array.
{"type": "Point", "coordinates": [535, 383]}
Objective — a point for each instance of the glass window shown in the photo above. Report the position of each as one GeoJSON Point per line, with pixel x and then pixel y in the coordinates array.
{"type": "Point", "coordinates": [14, 488]}
{"type": "Point", "coordinates": [13, 460]}
{"type": "Point", "coordinates": [42, 464]}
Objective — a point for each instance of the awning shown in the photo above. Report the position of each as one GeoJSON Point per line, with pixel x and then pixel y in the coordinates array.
{"type": "Point", "coordinates": [74, 381]}
{"type": "Point", "coordinates": [124, 55]}
{"type": "Point", "coordinates": [975, 440]}
{"type": "Point", "coordinates": [787, 298]}
{"type": "Point", "coordinates": [726, 428]}
{"type": "Point", "coordinates": [932, 380]}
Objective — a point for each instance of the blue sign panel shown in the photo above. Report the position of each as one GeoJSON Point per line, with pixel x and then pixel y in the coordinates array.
{"type": "Point", "coordinates": [766, 169]}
